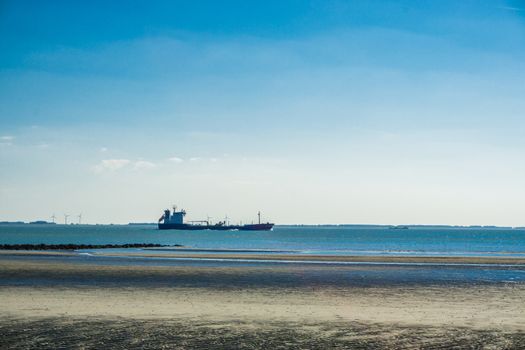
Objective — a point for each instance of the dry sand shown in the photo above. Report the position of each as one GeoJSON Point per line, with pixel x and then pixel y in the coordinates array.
{"type": "Point", "coordinates": [212, 307]}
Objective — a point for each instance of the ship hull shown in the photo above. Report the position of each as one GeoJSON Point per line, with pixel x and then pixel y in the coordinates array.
{"type": "Point", "coordinates": [252, 227]}
{"type": "Point", "coordinates": [182, 227]}
{"type": "Point", "coordinates": [256, 227]}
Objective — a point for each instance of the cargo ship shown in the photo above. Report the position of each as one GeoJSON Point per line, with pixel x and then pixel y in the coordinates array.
{"type": "Point", "coordinates": [175, 221]}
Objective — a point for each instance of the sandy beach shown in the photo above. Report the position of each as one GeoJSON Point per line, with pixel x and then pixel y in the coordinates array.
{"type": "Point", "coordinates": [52, 305]}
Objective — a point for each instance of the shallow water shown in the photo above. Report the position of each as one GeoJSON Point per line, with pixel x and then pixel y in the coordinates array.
{"type": "Point", "coordinates": [303, 241]}
{"type": "Point", "coordinates": [278, 273]}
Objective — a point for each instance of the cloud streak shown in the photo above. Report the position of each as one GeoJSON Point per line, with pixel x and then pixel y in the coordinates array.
{"type": "Point", "coordinates": [176, 160]}
{"type": "Point", "coordinates": [143, 164]}
{"type": "Point", "coordinates": [110, 165]}
{"type": "Point", "coordinates": [6, 140]}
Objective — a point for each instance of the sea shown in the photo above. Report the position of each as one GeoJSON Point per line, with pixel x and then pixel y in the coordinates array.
{"type": "Point", "coordinates": [296, 240]}
{"type": "Point", "coordinates": [326, 240]}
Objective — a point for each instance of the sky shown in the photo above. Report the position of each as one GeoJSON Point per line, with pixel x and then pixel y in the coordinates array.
{"type": "Point", "coordinates": [364, 112]}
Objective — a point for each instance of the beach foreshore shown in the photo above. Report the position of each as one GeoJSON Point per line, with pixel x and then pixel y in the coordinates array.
{"type": "Point", "coordinates": [184, 254]}
{"type": "Point", "coordinates": [49, 304]}
{"type": "Point", "coordinates": [336, 258]}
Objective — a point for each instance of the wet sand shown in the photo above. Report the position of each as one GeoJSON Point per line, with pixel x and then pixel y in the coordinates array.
{"type": "Point", "coordinates": [327, 258]}
{"type": "Point", "coordinates": [65, 305]}
{"type": "Point", "coordinates": [183, 254]}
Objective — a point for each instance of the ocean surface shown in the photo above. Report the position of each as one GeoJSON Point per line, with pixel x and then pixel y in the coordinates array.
{"type": "Point", "coordinates": [329, 240]}
{"type": "Point", "coordinates": [292, 240]}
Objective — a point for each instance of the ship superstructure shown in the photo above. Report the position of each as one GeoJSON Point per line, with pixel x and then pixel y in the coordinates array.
{"type": "Point", "coordinates": [174, 220]}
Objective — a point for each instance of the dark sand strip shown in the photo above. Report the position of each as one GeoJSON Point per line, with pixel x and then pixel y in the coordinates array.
{"type": "Point", "coordinates": [118, 333]}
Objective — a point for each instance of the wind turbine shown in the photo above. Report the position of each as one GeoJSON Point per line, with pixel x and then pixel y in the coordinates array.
{"type": "Point", "coordinates": [226, 219]}
{"type": "Point", "coordinates": [65, 218]}
{"type": "Point", "coordinates": [53, 217]}
{"type": "Point", "coordinates": [80, 218]}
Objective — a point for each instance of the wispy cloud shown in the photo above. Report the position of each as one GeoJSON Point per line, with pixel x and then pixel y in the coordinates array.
{"type": "Point", "coordinates": [143, 164]}
{"type": "Point", "coordinates": [176, 160]}
{"type": "Point", "coordinates": [6, 140]}
{"type": "Point", "coordinates": [510, 8]}
{"type": "Point", "coordinates": [110, 165]}
{"type": "Point", "coordinates": [157, 56]}
{"type": "Point", "coordinates": [193, 159]}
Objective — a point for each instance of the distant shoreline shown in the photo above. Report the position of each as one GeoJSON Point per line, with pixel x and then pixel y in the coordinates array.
{"type": "Point", "coordinates": [385, 226]}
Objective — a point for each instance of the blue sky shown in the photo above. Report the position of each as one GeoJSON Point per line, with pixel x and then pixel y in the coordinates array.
{"type": "Point", "coordinates": [311, 111]}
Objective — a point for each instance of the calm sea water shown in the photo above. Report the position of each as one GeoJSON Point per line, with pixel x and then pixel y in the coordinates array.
{"type": "Point", "coordinates": [337, 240]}
{"type": "Point", "coordinates": [423, 241]}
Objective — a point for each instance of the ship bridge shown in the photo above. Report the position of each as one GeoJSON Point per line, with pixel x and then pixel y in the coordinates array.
{"type": "Point", "coordinates": [175, 217]}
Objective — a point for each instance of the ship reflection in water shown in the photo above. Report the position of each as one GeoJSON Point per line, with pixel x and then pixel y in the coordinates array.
{"type": "Point", "coordinates": [175, 221]}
